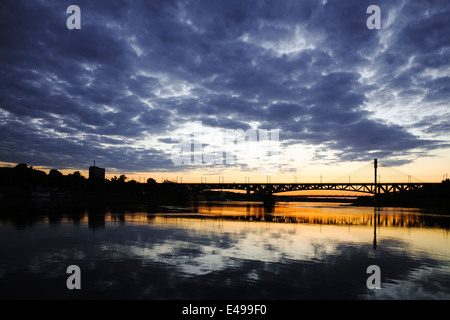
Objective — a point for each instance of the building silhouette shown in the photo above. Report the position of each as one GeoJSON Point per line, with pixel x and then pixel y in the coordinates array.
{"type": "Point", "coordinates": [96, 173]}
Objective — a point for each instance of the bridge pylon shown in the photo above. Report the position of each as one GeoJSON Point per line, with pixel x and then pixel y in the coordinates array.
{"type": "Point", "coordinates": [375, 188]}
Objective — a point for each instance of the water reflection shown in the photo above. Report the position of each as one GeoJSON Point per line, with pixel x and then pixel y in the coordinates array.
{"type": "Point", "coordinates": [376, 215]}
{"type": "Point", "coordinates": [327, 214]}
{"type": "Point", "coordinates": [305, 213]}
{"type": "Point", "coordinates": [225, 251]}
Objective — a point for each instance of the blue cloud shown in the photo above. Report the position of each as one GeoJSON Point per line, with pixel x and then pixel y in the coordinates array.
{"type": "Point", "coordinates": [140, 68]}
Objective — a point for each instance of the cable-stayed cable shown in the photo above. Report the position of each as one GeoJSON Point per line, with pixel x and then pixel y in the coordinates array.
{"type": "Point", "coordinates": [385, 174]}
{"type": "Point", "coordinates": [363, 174]}
{"type": "Point", "coordinates": [388, 174]}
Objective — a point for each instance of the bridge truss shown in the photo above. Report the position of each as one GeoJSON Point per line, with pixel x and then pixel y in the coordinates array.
{"type": "Point", "coordinates": [271, 188]}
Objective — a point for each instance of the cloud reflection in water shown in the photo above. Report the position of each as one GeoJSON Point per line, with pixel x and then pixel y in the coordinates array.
{"type": "Point", "coordinates": [181, 257]}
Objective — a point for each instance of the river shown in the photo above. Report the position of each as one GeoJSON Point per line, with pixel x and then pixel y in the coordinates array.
{"type": "Point", "coordinates": [224, 250]}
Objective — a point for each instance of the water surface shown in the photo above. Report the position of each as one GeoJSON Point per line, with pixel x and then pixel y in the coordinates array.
{"type": "Point", "coordinates": [224, 250]}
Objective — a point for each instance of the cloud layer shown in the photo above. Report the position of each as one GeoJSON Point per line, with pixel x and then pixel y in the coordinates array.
{"type": "Point", "coordinates": [137, 71]}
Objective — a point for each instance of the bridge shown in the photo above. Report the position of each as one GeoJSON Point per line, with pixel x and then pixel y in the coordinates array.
{"type": "Point", "coordinates": [366, 183]}
{"type": "Point", "coordinates": [272, 188]}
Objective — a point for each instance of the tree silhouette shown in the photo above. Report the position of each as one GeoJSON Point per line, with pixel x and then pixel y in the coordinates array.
{"type": "Point", "coordinates": [55, 173]}
{"type": "Point", "coordinates": [26, 176]}
{"type": "Point", "coordinates": [75, 179]}
{"type": "Point", "coordinates": [21, 167]}
{"type": "Point", "coordinates": [55, 178]}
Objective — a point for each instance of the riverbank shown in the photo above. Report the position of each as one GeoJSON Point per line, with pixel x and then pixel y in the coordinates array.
{"type": "Point", "coordinates": [118, 194]}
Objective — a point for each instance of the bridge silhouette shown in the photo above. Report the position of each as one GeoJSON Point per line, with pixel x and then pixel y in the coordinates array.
{"type": "Point", "coordinates": [394, 181]}
{"type": "Point", "coordinates": [272, 188]}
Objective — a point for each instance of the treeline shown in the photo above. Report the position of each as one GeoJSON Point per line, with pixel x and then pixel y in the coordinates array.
{"type": "Point", "coordinates": [26, 177]}
{"type": "Point", "coordinates": [24, 182]}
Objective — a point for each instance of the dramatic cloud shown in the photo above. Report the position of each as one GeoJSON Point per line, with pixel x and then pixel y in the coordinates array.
{"type": "Point", "coordinates": [117, 89]}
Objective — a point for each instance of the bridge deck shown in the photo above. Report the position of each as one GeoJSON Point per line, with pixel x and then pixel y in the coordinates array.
{"type": "Point", "coordinates": [270, 188]}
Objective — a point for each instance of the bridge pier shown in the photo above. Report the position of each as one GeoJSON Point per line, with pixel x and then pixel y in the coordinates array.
{"type": "Point", "coordinates": [269, 199]}
{"type": "Point", "coordinates": [193, 197]}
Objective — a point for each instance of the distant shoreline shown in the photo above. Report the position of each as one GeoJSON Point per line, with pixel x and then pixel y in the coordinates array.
{"type": "Point", "coordinates": [122, 197]}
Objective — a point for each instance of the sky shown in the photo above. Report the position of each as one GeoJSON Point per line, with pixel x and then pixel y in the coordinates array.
{"type": "Point", "coordinates": [142, 78]}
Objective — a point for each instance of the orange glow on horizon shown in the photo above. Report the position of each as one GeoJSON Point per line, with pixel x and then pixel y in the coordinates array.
{"type": "Point", "coordinates": [429, 169]}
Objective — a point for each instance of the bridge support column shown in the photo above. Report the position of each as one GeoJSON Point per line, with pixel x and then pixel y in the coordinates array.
{"type": "Point", "coordinates": [193, 197]}
{"type": "Point", "coordinates": [269, 199]}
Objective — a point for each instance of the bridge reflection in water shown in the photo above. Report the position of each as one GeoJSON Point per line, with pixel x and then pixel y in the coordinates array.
{"type": "Point", "coordinates": [286, 213]}
{"type": "Point", "coordinates": [321, 213]}
{"type": "Point", "coordinates": [316, 214]}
